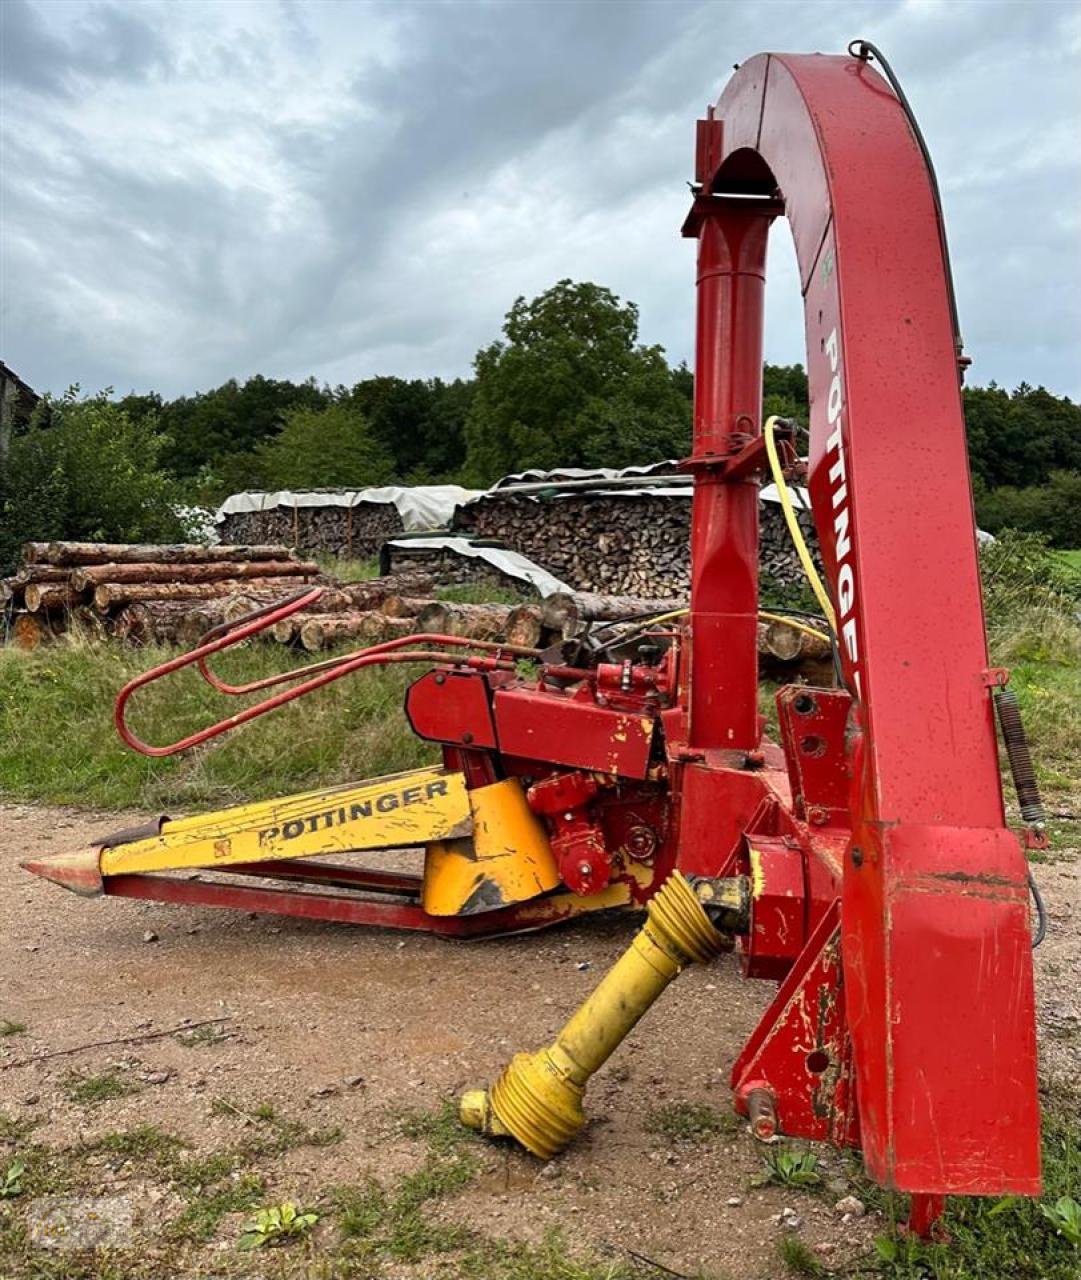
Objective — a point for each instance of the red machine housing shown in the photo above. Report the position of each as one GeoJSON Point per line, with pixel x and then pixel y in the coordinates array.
{"type": "Point", "coordinates": [890, 899]}
{"type": "Point", "coordinates": [887, 896]}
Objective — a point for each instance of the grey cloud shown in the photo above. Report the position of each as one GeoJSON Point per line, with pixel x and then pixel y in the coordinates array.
{"type": "Point", "coordinates": [109, 42]}
{"type": "Point", "coordinates": [413, 168]}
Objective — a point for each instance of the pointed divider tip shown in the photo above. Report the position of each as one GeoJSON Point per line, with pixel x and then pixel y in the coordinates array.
{"type": "Point", "coordinates": [79, 871]}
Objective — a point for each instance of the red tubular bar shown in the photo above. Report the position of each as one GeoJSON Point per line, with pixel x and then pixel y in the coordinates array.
{"type": "Point", "coordinates": [352, 663]}
{"type": "Point", "coordinates": [386, 646]}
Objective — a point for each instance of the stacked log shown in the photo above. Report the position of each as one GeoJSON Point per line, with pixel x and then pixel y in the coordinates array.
{"type": "Point", "coordinates": [564, 614]}
{"type": "Point", "coordinates": [174, 595]}
{"type": "Point", "coordinates": [143, 592]}
{"type": "Point", "coordinates": [356, 597]}
{"type": "Point", "coordinates": [347, 532]}
{"type": "Point", "coordinates": [636, 545]}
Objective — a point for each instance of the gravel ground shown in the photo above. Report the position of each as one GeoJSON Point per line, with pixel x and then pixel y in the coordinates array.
{"type": "Point", "coordinates": [348, 1027]}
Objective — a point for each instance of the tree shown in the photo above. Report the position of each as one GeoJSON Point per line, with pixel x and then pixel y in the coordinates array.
{"type": "Point", "coordinates": [784, 392]}
{"type": "Point", "coordinates": [212, 436]}
{"type": "Point", "coordinates": [325, 448]}
{"type": "Point", "coordinates": [570, 386]}
{"type": "Point", "coordinates": [87, 470]}
{"type": "Point", "coordinates": [421, 424]}
{"type": "Point", "coordinates": [1052, 509]}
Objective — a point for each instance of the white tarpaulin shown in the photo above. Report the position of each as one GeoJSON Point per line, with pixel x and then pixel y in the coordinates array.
{"type": "Point", "coordinates": [512, 563]}
{"type": "Point", "coordinates": [768, 492]}
{"type": "Point", "coordinates": [427, 506]}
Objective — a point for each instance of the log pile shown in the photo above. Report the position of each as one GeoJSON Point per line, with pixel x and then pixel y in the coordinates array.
{"type": "Point", "coordinates": [143, 592]}
{"type": "Point", "coordinates": [622, 544]}
{"type": "Point", "coordinates": [174, 595]}
{"type": "Point", "coordinates": [350, 533]}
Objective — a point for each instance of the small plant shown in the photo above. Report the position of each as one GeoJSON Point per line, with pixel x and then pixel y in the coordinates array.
{"type": "Point", "coordinates": [789, 1168]}
{"type": "Point", "coordinates": [276, 1224]}
{"type": "Point", "coordinates": [12, 1184]}
{"type": "Point", "coordinates": [10, 1028]}
{"type": "Point", "coordinates": [89, 1090]}
{"type": "Point", "coordinates": [1065, 1216]}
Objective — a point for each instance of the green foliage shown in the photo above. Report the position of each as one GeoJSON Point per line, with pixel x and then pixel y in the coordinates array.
{"type": "Point", "coordinates": [1053, 508]}
{"type": "Point", "coordinates": [276, 1224]}
{"type": "Point", "coordinates": [570, 386]}
{"type": "Point", "coordinates": [789, 1168]}
{"type": "Point", "coordinates": [1021, 438]}
{"type": "Point", "coordinates": [1020, 574]}
{"type": "Point", "coordinates": [420, 424]}
{"type": "Point", "coordinates": [86, 469]}
{"type": "Point", "coordinates": [10, 1028]}
{"type": "Point", "coordinates": [327, 447]}
{"type": "Point", "coordinates": [784, 392]}
{"type": "Point", "coordinates": [1025, 454]}
{"type": "Point", "coordinates": [12, 1183]}
{"type": "Point", "coordinates": [214, 434]}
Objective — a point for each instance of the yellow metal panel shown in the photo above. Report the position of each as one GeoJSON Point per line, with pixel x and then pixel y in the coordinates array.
{"type": "Point", "coordinates": [508, 859]}
{"type": "Point", "coordinates": [404, 809]}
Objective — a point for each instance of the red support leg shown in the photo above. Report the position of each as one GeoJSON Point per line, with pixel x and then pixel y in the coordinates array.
{"type": "Point", "coordinates": [925, 1214]}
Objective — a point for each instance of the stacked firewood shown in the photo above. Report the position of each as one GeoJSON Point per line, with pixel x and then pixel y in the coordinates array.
{"type": "Point", "coordinates": [626, 544]}
{"type": "Point", "coordinates": [351, 533]}
{"type": "Point", "coordinates": [174, 594]}
{"type": "Point", "coordinates": [143, 591]}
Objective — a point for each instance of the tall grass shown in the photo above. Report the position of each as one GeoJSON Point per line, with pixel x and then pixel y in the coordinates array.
{"type": "Point", "coordinates": [58, 743]}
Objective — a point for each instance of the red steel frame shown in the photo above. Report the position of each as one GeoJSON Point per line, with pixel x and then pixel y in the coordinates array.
{"type": "Point", "coordinates": [937, 971]}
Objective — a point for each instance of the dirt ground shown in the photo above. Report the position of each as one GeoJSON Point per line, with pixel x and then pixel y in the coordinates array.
{"type": "Point", "coordinates": [349, 1027]}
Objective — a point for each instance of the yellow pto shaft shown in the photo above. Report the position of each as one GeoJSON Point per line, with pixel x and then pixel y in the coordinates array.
{"type": "Point", "coordinates": [538, 1098]}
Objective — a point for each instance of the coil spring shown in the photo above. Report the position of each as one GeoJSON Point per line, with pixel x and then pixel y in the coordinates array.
{"type": "Point", "coordinates": [1017, 751]}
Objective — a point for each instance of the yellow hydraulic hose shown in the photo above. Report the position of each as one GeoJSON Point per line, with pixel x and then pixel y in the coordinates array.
{"type": "Point", "coordinates": [796, 626]}
{"type": "Point", "coordinates": [793, 525]}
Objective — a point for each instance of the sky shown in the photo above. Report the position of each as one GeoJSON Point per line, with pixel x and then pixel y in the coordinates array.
{"type": "Point", "coordinates": [215, 188]}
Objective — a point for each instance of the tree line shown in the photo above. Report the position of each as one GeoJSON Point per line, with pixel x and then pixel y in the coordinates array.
{"type": "Point", "coordinates": [568, 383]}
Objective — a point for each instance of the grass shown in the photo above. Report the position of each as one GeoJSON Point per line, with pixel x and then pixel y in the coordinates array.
{"type": "Point", "coordinates": [58, 744]}
{"type": "Point", "coordinates": [270, 1134]}
{"type": "Point", "coordinates": [689, 1122]}
{"type": "Point", "coordinates": [9, 1027]}
{"type": "Point", "coordinates": [208, 1034]}
{"type": "Point", "coordinates": [798, 1258]}
{"type": "Point", "coordinates": [391, 1222]}
{"type": "Point", "coordinates": [1071, 558]}
{"type": "Point", "coordinates": [89, 1090]}
{"type": "Point", "coordinates": [349, 570]}
{"type": "Point", "coordinates": [482, 593]}
{"type": "Point", "coordinates": [1043, 652]}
